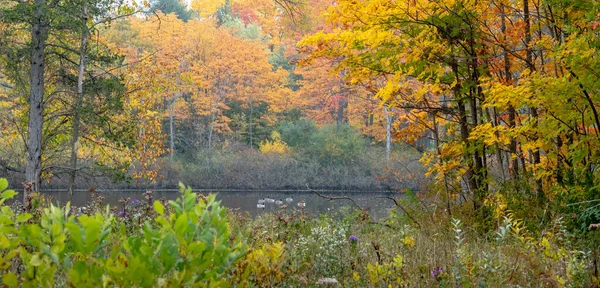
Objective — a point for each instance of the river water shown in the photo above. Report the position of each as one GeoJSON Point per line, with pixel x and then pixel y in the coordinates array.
{"type": "Point", "coordinates": [246, 201]}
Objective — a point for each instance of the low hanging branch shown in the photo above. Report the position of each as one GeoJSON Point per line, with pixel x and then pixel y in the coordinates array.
{"type": "Point", "coordinates": [363, 209]}
{"type": "Point", "coordinates": [401, 208]}
{"type": "Point", "coordinates": [336, 198]}
{"type": "Point", "coordinates": [6, 166]}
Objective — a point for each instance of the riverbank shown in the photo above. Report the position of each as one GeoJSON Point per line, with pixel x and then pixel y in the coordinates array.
{"type": "Point", "coordinates": [195, 242]}
{"type": "Point", "coordinates": [249, 169]}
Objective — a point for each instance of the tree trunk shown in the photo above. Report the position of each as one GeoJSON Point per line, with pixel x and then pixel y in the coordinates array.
{"type": "Point", "coordinates": [210, 130]}
{"type": "Point", "coordinates": [251, 116]}
{"type": "Point", "coordinates": [513, 167]}
{"type": "Point", "coordinates": [532, 110]}
{"type": "Point", "coordinates": [172, 129]}
{"type": "Point", "coordinates": [33, 170]}
{"type": "Point", "coordinates": [464, 134]}
{"type": "Point", "coordinates": [499, 158]}
{"type": "Point", "coordinates": [388, 133]}
{"type": "Point", "coordinates": [341, 118]}
{"type": "Point", "coordinates": [78, 103]}
{"type": "Point", "coordinates": [475, 92]}
{"type": "Point", "coordinates": [436, 138]}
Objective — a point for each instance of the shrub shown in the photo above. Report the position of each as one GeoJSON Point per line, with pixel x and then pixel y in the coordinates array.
{"type": "Point", "coordinates": [328, 144]}
{"type": "Point", "coordinates": [274, 146]}
{"type": "Point", "coordinates": [298, 134]}
{"type": "Point", "coordinates": [337, 144]}
{"type": "Point", "coordinates": [186, 243]}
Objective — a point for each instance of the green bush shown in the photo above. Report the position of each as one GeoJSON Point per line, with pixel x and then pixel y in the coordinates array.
{"type": "Point", "coordinates": [298, 134]}
{"type": "Point", "coordinates": [337, 144]}
{"type": "Point", "coordinates": [186, 243]}
{"type": "Point", "coordinates": [329, 144]}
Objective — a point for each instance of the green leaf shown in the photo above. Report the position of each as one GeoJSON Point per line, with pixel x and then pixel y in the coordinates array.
{"type": "Point", "coordinates": [52, 256]}
{"type": "Point", "coordinates": [3, 184]}
{"type": "Point", "coordinates": [176, 206]}
{"type": "Point", "coordinates": [23, 217]}
{"type": "Point", "coordinates": [8, 194]}
{"type": "Point", "coordinates": [10, 280]}
{"type": "Point", "coordinates": [181, 224]}
{"type": "Point", "coordinates": [35, 260]}
{"type": "Point", "coordinates": [159, 208]}
{"type": "Point", "coordinates": [4, 242]}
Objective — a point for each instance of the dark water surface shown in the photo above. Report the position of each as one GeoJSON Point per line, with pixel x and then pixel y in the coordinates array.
{"type": "Point", "coordinates": [246, 201]}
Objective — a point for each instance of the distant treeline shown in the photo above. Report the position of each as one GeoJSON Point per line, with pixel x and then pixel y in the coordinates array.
{"type": "Point", "coordinates": [298, 154]}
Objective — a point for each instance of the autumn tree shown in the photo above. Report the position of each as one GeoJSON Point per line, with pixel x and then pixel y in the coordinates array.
{"type": "Point", "coordinates": [479, 77]}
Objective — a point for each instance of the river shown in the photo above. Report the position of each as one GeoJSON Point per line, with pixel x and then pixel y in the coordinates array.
{"type": "Point", "coordinates": [246, 201]}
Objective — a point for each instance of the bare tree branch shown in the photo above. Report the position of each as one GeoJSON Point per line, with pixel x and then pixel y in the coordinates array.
{"type": "Point", "coordinates": [401, 208]}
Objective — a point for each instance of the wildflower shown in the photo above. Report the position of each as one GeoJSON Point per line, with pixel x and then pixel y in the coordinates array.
{"type": "Point", "coordinates": [353, 239]}
{"type": "Point", "coordinates": [436, 272]}
{"type": "Point", "coordinates": [121, 213]}
{"type": "Point", "coordinates": [408, 241]}
{"type": "Point", "coordinates": [148, 195]}
{"type": "Point", "coordinates": [135, 202]}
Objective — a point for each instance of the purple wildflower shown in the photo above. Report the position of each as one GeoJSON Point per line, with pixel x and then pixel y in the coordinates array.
{"type": "Point", "coordinates": [436, 272]}
{"type": "Point", "coordinates": [353, 239]}
{"type": "Point", "coordinates": [135, 202]}
{"type": "Point", "coordinates": [121, 213]}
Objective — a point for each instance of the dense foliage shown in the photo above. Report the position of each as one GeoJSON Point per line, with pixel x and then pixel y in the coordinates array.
{"type": "Point", "coordinates": [194, 242]}
{"type": "Point", "coordinates": [143, 87]}
{"type": "Point", "coordinates": [186, 243]}
{"type": "Point", "coordinates": [508, 90]}
{"type": "Point", "coordinates": [498, 98]}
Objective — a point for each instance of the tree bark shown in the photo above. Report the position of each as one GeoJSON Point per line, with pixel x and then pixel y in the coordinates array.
{"type": "Point", "coordinates": [533, 113]}
{"type": "Point", "coordinates": [464, 133]}
{"type": "Point", "coordinates": [513, 167]}
{"type": "Point", "coordinates": [39, 33]}
{"type": "Point", "coordinates": [250, 121]}
{"type": "Point", "coordinates": [388, 133]}
{"type": "Point", "coordinates": [341, 114]}
{"type": "Point", "coordinates": [436, 138]}
{"type": "Point", "coordinates": [172, 128]}
{"type": "Point", "coordinates": [77, 108]}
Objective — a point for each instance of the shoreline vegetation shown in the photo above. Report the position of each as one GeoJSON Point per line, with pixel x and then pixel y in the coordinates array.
{"type": "Point", "coordinates": [245, 168]}
{"type": "Point", "coordinates": [487, 110]}
{"type": "Point", "coordinates": [194, 241]}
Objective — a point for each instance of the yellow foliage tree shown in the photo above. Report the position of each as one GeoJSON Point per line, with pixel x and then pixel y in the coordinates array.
{"type": "Point", "coordinates": [275, 145]}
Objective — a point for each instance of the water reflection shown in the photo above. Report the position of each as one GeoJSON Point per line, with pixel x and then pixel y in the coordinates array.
{"type": "Point", "coordinates": [254, 202]}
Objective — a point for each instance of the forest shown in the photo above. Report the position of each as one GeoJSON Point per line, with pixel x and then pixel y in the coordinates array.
{"type": "Point", "coordinates": [479, 116]}
{"type": "Point", "coordinates": [161, 93]}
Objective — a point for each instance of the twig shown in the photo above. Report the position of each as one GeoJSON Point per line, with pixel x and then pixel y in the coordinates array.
{"type": "Point", "coordinates": [363, 209]}
{"type": "Point", "coordinates": [401, 208]}
{"type": "Point", "coordinates": [583, 202]}
{"type": "Point", "coordinates": [336, 198]}
{"type": "Point", "coordinates": [6, 166]}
